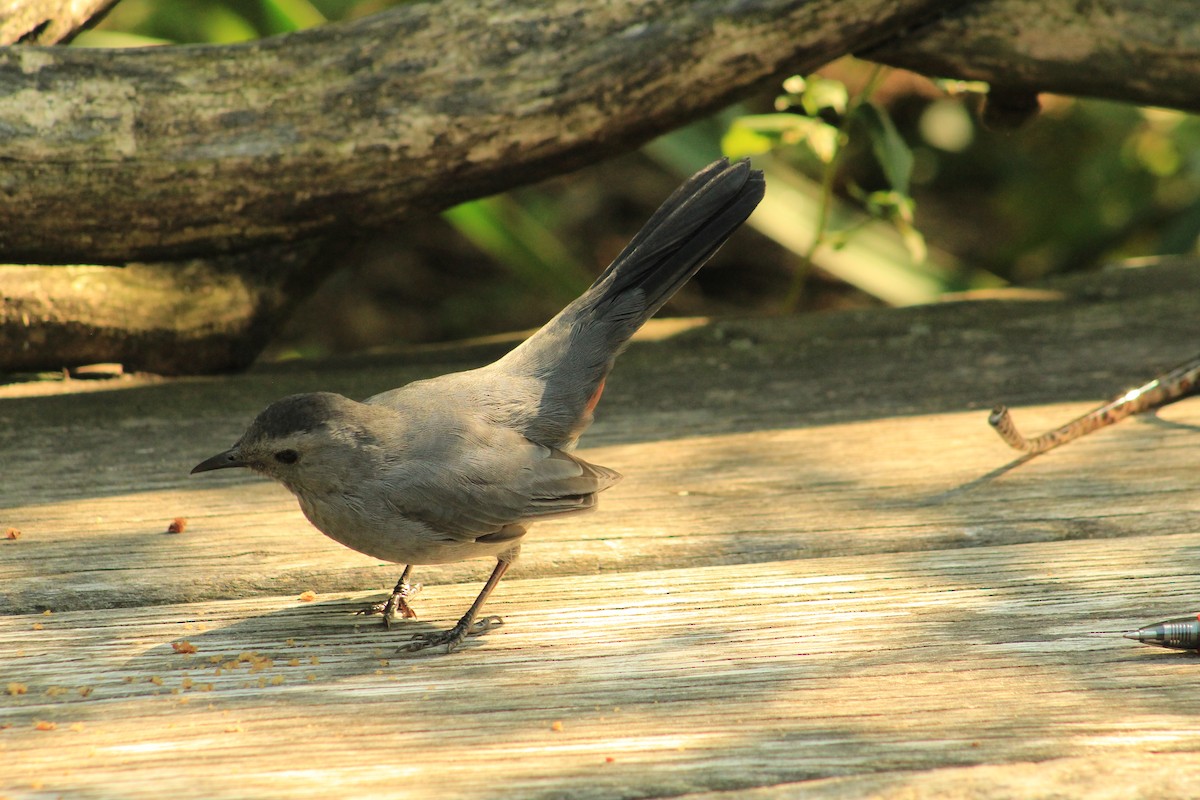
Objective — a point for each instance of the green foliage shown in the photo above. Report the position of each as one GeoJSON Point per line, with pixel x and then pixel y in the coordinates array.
{"type": "Point", "coordinates": [1086, 182]}
{"type": "Point", "coordinates": [1082, 183]}
{"type": "Point", "coordinates": [281, 16]}
{"type": "Point", "coordinates": [814, 122]}
{"type": "Point", "coordinates": [756, 134]}
{"type": "Point", "coordinates": [141, 22]}
{"type": "Point", "coordinates": [891, 151]}
{"type": "Point", "coordinates": [505, 229]}
{"type": "Point", "coordinates": [864, 166]}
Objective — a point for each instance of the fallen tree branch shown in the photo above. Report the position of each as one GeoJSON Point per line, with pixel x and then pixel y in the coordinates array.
{"type": "Point", "coordinates": [160, 153]}
{"type": "Point", "coordinates": [1137, 51]}
{"type": "Point", "coordinates": [186, 317]}
{"type": "Point", "coordinates": [186, 156]}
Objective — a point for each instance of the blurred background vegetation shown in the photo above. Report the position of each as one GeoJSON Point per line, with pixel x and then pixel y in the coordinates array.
{"type": "Point", "coordinates": [885, 189]}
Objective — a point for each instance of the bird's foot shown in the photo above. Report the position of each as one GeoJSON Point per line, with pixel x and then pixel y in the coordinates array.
{"type": "Point", "coordinates": [396, 604]}
{"type": "Point", "coordinates": [453, 637]}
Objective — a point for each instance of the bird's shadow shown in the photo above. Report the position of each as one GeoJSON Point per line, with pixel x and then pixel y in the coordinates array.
{"type": "Point", "coordinates": [310, 642]}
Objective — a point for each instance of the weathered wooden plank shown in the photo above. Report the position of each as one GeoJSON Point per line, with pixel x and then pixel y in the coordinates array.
{"type": "Point", "coordinates": [864, 487]}
{"type": "Point", "coordinates": [1106, 777]}
{"type": "Point", "coordinates": [818, 576]}
{"type": "Point", "coordinates": [662, 682]}
{"type": "Point", "coordinates": [727, 435]}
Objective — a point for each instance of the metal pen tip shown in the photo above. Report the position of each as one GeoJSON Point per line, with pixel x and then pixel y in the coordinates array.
{"type": "Point", "coordinates": [1180, 633]}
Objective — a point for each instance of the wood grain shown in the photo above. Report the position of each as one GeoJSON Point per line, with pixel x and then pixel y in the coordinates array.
{"type": "Point", "coordinates": [687, 679]}
{"type": "Point", "coordinates": [868, 487]}
{"type": "Point", "coordinates": [823, 576]}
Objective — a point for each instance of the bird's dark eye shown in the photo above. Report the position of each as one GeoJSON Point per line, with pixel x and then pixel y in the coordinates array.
{"type": "Point", "coordinates": [287, 456]}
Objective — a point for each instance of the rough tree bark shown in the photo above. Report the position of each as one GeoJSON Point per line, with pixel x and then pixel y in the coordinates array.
{"type": "Point", "coordinates": [415, 109]}
{"type": "Point", "coordinates": [1138, 51]}
{"type": "Point", "coordinates": [188, 316]}
{"type": "Point", "coordinates": [364, 123]}
{"type": "Point", "coordinates": [352, 126]}
{"type": "Point", "coordinates": [47, 21]}
{"type": "Point", "coordinates": [171, 154]}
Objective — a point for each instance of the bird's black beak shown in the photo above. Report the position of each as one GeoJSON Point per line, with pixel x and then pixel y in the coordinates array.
{"type": "Point", "coordinates": [229, 458]}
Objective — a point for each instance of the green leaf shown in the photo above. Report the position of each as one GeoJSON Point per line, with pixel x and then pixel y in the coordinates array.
{"type": "Point", "coordinates": [221, 25]}
{"type": "Point", "coordinates": [103, 39]}
{"type": "Point", "coordinates": [772, 123]}
{"type": "Point", "coordinates": [890, 149]}
{"type": "Point", "coordinates": [954, 87]}
{"type": "Point", "coordinates": [823, 140]}
{"type": "Point", "coordinates": [741, 141]}
{"type": "Point", "coordinates": [914, 240]}
{"type": "Point", "coordinates": [795, 85]}
{"type": "Point", "coordinates": [898, 209]}
{"type": "Point", "coordinates": [522, 242]}
{"type": "Point", "coordinates": [758, 133]}
{"type": "Point", "coordinates": [821, 93]}
{"type": "Point", "coordinates": [284, 16]}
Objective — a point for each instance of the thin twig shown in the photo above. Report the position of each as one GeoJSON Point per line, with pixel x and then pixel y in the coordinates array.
{"type": "Point", "coordinates": [1163, 390]}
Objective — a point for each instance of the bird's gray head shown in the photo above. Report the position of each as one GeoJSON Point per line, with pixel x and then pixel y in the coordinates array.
{"type": "Point", "coordinates": [298, 439]}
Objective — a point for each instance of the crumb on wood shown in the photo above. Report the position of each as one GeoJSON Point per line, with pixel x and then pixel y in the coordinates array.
{"type": "Point", "coordinates": [178, 525]}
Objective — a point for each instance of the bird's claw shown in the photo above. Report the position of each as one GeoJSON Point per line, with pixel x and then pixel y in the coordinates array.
{"type": "Point", "coordinates": [453, 637]}
{"type": "Point", "coordinates": [396, 604]}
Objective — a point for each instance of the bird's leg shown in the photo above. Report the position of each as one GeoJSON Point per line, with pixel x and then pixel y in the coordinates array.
{"type": "Point", "coordinates": [397, 601]}
{"type": "Point", "coordinates": [468, 625]}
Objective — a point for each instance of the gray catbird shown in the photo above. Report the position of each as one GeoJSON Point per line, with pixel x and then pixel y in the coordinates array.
{"type": "Point", "coordinates": [456, 467]}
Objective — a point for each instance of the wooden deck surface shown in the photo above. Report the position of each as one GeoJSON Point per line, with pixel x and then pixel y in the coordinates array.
{"type": "Point", "coordinates": [817, 580]}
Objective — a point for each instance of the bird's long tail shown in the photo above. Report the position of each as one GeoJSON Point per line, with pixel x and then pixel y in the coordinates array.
{"type": "Point", "coordinates": [574, 352]}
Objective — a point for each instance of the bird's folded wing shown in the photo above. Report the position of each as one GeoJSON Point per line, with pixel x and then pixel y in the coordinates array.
{"type": "Point", "coordinates": [468, 498]}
